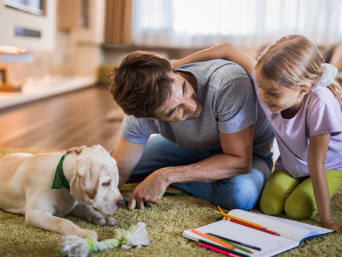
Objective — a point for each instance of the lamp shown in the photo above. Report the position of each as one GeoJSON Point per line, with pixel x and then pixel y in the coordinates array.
{"type": "Point", "coordinates": [10, 54]}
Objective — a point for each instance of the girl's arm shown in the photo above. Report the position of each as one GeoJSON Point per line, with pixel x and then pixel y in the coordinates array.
{"type": "Point", "coordinates": [316, 163]}
{"type": "Point", "coordinates": [224, 51]}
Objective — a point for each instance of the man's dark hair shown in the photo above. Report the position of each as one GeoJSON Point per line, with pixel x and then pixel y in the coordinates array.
{"type": "Point", "coordinates": [141, 83]}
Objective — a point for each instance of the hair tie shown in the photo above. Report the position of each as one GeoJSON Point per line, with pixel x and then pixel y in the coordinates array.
{"type": "Point", "coordinates": [328, 75]}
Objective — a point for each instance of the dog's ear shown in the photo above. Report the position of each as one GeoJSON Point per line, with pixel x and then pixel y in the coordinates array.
{"type": "Point", "coordinates": [88, 176]}
{"type": "Point", "coordinates": [81, 167]}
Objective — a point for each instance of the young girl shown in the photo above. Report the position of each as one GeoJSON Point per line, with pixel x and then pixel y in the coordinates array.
{"type": "Point", "coordinates": [302, 102]}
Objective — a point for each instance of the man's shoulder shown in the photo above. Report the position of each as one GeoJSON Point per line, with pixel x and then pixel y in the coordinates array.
{"type": "Point", "coordinates": [138, 123]}
{"type": "Point", "coordinates": [227, 71]}
{"type": "Point", "coordinates": [229, 78]}
{"type": "Point", "coordinates": [138, 130]}
{"type": "Point", "coordinates": [212, 65]}
{"type": "Point", "coordinates": [218, 68]}
{"type": "Point", "coordinates": [216, 74]}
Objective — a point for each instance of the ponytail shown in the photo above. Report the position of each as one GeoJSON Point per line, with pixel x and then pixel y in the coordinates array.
{"type": "Point", "coordinates": [336, 89]}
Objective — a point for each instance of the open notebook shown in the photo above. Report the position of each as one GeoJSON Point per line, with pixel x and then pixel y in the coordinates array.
{"type": "Point", "coordinates": [291, 232]}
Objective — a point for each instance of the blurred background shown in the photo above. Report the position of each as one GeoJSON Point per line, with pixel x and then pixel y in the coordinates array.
{"type": "Point", "coordinates": [54, 47]}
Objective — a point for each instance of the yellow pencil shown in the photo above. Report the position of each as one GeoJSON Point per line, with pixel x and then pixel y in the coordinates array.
{"type": "Point", "coordinates": [220, 209]}
{"type": "Point", "coordinates": [236, 218]}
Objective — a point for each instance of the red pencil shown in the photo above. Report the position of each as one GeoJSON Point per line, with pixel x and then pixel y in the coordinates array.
{"type": "Point", "coordinates": [219, 250]}
{"type": "Point", "coordinates": [251, 226]}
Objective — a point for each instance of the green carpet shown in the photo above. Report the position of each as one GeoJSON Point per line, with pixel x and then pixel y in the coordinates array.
{"type": "Point", "coordinates": [165, 223]}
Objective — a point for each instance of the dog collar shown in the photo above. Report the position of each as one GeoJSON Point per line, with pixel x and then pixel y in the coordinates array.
{"type": "Point", "coordinates": [60, 181]}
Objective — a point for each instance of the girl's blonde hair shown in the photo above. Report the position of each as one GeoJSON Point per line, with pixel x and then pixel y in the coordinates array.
{"type": "Point", "coordinates": [294, 61]}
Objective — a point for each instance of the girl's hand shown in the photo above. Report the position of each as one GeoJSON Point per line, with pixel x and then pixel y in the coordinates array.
{"type": "Point", "coordinates": [176, 64]}
{"type": "Point", "coordinates": [333, 225]}
{"type": "Point", "coordinates": [224, 51]}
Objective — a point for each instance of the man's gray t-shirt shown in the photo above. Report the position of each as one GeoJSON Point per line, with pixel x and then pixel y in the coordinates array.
{"type": "Point", "coordinates": [229, 105]}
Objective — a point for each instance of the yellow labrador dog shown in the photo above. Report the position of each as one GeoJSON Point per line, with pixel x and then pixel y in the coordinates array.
{"type": "Point", "coordinates": [43, 186]}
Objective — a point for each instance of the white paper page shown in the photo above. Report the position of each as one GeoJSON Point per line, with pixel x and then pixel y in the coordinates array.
{"type": "Point", "coordinates": [269, 244]}
{"type": "Point", "coordinates": [287, 230]}
{"type": "Point", "coordinates": [314, 230]}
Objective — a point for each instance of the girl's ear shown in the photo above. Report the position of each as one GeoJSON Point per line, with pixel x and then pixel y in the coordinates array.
{"type": "Point", "coordinates": [304, 89]}
{"type": "Point", "coordinates": [302, 93]}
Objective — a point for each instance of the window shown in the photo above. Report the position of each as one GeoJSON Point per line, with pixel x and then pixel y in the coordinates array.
{"type": "Point", "coordinates": [248, 22]}
{"type": "Point", "coordinates": [31, 6]}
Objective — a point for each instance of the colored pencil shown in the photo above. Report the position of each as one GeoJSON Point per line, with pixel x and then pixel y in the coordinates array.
{"type": "Point", "coordinates": [239, 219]}
{"type": "Point", "coordinates": [223, 248]}
{"type": "Point", "coordinates": [251, 226]}
{"type": "Point", "coordinates": [235, 245]}
{"type": "Point", "coordinates": [220, 242]}
{"type": "Point", "coordinates": [219, 250]}
{"type": "Point", "coordinates": [236, 242]}
{"type": "Point", "coordinates": [221, 211]}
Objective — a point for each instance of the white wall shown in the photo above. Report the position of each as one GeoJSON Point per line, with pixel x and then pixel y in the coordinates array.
{"type": "Point", "coordinates": [9, 18]}
{"type": "Point", "coordinates": [86, 51]}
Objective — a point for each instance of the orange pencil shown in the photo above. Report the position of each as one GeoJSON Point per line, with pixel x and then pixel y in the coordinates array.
{"type": "Point", "coordinates": [213, 239]}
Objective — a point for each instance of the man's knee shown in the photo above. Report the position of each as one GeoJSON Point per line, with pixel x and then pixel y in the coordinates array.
{"type": "Point", "coordinates": [239, 192]}
{"type": "Point", "coordinates": [300, 205]}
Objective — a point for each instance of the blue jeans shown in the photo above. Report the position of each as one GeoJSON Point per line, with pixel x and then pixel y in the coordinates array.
{"type": "Point", "coordinates": [238, 192]}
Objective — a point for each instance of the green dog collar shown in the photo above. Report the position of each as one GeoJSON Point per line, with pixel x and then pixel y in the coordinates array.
{"type": "Point", "coordinates": [60, 180]}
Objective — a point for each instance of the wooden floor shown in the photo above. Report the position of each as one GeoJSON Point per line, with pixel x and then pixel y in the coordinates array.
{"type": "Point", "coordinates": [74, 119]}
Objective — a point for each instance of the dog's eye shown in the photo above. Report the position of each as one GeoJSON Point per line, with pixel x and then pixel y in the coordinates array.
{"type": "Point", "coordinates": [106, 184]}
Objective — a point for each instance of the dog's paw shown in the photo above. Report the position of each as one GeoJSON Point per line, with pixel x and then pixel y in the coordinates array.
{"type": "Point", "coordinates": [97, 219]}
{"type": "Point", "coordinates": [110, 221]}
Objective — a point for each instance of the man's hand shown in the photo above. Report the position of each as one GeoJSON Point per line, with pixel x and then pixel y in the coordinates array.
{"type": "Point", "coordinates": [149, 191]}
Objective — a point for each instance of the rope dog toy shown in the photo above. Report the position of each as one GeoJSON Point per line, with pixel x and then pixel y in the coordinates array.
{"type": "Point", "coordinates": [74, 246]}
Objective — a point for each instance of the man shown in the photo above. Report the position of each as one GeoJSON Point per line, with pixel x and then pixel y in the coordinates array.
{"type": "Point", "coordinates": [212, 138]}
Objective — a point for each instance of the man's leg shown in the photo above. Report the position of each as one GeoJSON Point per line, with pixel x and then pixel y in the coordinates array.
{"type": "Point", "coordinates": [160, 152]}
{"type": "Point", "coordinates": [238, 192]}
{"type": "Point", "coordinates": [241, 191]}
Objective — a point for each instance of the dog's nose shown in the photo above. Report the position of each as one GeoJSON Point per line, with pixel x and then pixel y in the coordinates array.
{"type": "Point", "coordinates": [121, 202]}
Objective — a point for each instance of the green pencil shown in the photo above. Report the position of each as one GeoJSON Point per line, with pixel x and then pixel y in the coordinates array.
{"type": "Point", "coordinates": [229, 242]}
{"type": "Point", "coordinates": [223, 248]}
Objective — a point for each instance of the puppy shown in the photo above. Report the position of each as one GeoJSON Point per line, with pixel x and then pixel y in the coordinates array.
{"type": "Point", "coordinates": [43, 186]}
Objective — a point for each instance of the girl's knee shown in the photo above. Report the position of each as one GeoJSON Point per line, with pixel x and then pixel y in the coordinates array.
{"type": "Point", "coordinates": [271, 204]}
{"type": "Point", "coordinates": [300, 206]}
{"type": "Point", "coordinates": [277, 189]}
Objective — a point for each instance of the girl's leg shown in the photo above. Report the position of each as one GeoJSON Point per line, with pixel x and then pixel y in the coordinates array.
{"type": "Point", "coordinates": [301, 204]}
{"type": "Point", "coordinates": [278, 187]}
